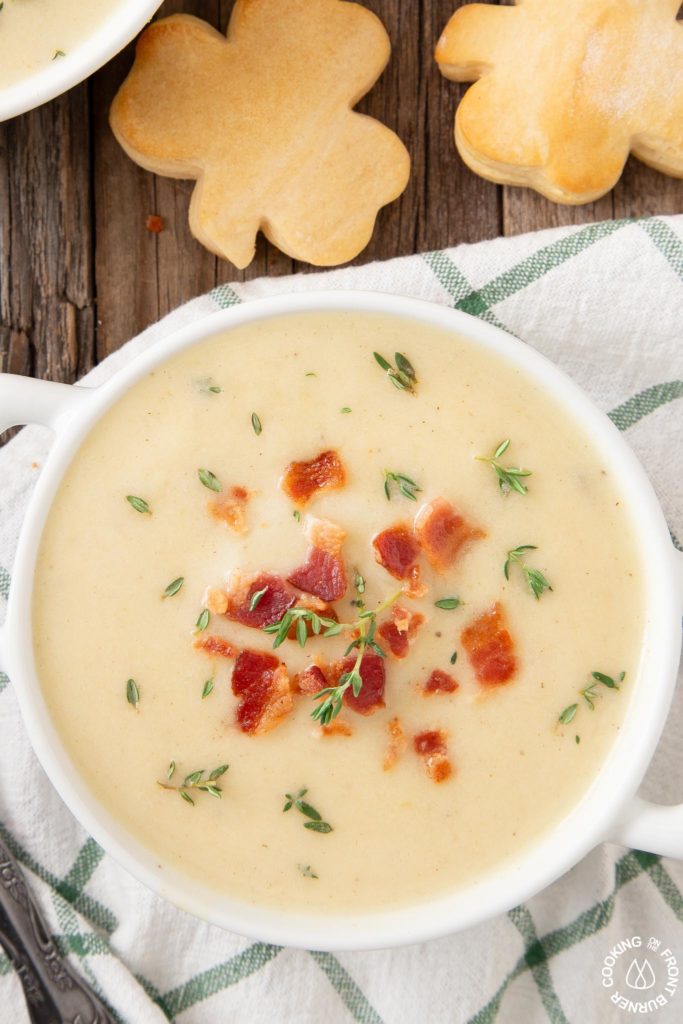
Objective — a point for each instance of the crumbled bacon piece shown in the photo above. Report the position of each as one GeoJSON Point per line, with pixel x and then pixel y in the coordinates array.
{"type": "Point", "coordinates": [442, 532]}
{"type": "Point", "coordinates": [324, 574]}
{"type": "Point", "coordinates": [440, 682]}
{"type": "Point", "coordinates": [216, 601]}
{"type": "Point", "coordinates": [312, 680]}
{"type": "Point", "coordinates": [397, 550]}
{"type": "Point", "coordinates": [371, 695]}
{"type": "Point", "coordinates": [337, 728]}
{"type": "Point", "coordinates": [271, 606]}
{"type": "Point", "coordinates": [154, 223]}
{"type": "Point", "coordinates": [231, 509]}
{"type": "Point", "coordinates": [217, 646]}
{"type": "Point", "coordinates": [261, 683]}
{"type": "Point", "coordinates": [400, 631]}
{"type": "Point", "coordinates": [397, 744]}
{"type": "Point", "coordinates": [489, 647]}
{"type": "Point", "coordinates": [302, 480]}
{"type": "Point", "coordinates": [432, 748]}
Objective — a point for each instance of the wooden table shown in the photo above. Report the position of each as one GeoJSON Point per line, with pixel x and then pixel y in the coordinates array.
{"type": "Point", "coordinates": [80, 274]}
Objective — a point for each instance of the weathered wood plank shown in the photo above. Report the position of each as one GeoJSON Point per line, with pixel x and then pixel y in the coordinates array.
{"type": "Point", "coordinates": [643, 192]}
{"type": "Point", "coordinates": [526, 210]}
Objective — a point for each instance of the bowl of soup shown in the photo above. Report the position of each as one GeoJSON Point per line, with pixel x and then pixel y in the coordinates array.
{"type": "Point", "coordinates": [343, 620]}
{"type": "Point", "coordinates": [48, 46]}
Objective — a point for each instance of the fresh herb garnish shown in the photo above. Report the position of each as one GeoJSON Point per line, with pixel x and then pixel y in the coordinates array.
{"type": "Point", "coordinates": [448, 604]}
{"type": "Point", "coordinates": [402, 376]}
{"type": "Point", "coordinates": [509, 477]}
{"type": "Point", "coordinates": [256, 597]}
{"type": "Point", "coordinates": [346, 409]}
{"type": "Point", "coordinates": [207, 387]}
{"type": "Point", "coordinates": [297, 515]}
{"type": "Point", "coordinates": [359, 582]}
{"type": "Point", "coordinates": [315, 822]}
{"type": "Point", "coordinates": [209, 479]}
{"type": "Point", "coordinates": [139, 504]}
{"type": "Point", "coordinates": [535, 579]}
{"type": "Point", "coordinates": [208, 687]}
{"type": "Point", "coordinates": [196, 782]}
{"type": "Point", "coordinates": [453, 657]}
{"type": "Point", "coordinates": [58, 53]}
{"type": "Point", "coordinates": [407, 487]}
{"type": "Point", "coordinates": [203, 620]}
{"type": "Point", "coordinates": [307, 871]}
{"type": "Point", "coordinates": [133, 693]}
{"type": "Point", "coordinates": [173, 587]}
{"type": "Point", "coordinates": [256, 424]}
{"type": "Point", "coordinates": [590, 694]}
{"type": "Point", "coordinates": [365, 625]}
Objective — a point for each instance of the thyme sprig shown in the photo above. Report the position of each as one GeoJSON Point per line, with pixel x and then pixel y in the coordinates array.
{"type": "Point", "coordinates": [315, 821]}
{"type": "Point", "coordinates": [402, 375]}
{"type": "Point", "coordinates": [407, 487]}
{"type": "Point", "coordinates": [535, 579]}
{"type": "Point", "coordinates": [331, 697]}
{"type": "Point", "coordinates": [509, 477]}
{"type": "Point", "coordinates": [195, 782]}
{"type": "Point", "coordinates": [590, 694]}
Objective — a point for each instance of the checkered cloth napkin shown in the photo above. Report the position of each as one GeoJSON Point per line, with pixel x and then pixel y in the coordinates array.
{"type": "Point", "coordinates": [605, 303]}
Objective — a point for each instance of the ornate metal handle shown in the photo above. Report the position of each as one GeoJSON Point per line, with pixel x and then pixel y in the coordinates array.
{"type": "Point", "coordinates": [54, 992]}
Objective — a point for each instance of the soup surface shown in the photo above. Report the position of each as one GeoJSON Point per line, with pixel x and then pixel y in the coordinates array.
{"type": "Point", "coordinates": [35, 32]}
{"type": "Point", "coordinates": [483, 724]}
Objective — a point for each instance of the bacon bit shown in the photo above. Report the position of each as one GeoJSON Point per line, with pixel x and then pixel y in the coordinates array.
{"type": "Point", "coordinates": [216, 601]}
{"type": "Point", "coordinates": [442, 532]}
{"type": "Point", "coordinates": [371, 696]}
{"type": "Point", "coordinates": [261, 683]}
{"type": "Point", "coordinates": [336, 728]}
{"type": "Point", "coordinates": [231, 510]}
{"type": "Point", "coordinates": [431, 747]}
{"type": "Point", "coordinates": [302, 480]}
{"type": "Point", "coordinates": [440, 682]}
{"type": "Point", "coordinates": [400, 631]}
{"type": "Point", "coordinates": [216, 646]}
{"type": "Point", "coordinates": [489, 647]}
{"type": "Point", "coordinates": [414, 587]}
{"type": "Point", "coordinates": [312, 680]}
{"type": "Point", "coordinates": [397, 744]}
{"type": "Point", "coordinates": [154, 223]}
{"type": "Point", "coordinates": [278, 598]}
{"type": "Point", "coordinates": [397, 551]}
{"type": "Point", "coordinates": [324, 574]}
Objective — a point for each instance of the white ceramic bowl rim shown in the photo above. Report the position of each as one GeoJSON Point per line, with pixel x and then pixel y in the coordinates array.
{"type": "Point", "coordinates": [124, 21]}
{"type": "Point", "coordinates": [609, 810]}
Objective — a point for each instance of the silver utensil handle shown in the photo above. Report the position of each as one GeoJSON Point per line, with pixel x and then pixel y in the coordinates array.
{"type": "Point", "coordinates": [54, 993]}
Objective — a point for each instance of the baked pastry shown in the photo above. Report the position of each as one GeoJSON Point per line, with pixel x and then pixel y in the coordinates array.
{"type": "Point", "coordinates": [566, 90]}
{"type": "Point", "coordinates": [263, 121]}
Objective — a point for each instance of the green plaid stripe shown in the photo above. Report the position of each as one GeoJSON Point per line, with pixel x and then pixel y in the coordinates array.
{"type": "Point", "coordinates": [537, 963]}
{"type": "Point", "coordinates": [4, 583]}
{"type": "Point", "coordinates": [642, 404]}
{"type": "Point", "coordinates": [224, 296]}
{"type": "Point", "coordinates": [667, 241]}
{"type": "Point", "coordinates": [4, 680]}
{"type": "Point", "coordinates": [346, 988]}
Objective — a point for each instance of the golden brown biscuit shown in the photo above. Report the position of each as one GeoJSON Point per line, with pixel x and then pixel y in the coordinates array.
{"type": "Point", "coordinates": [263, 121]}
{"type": "Point", "coordinates": [567, 88]}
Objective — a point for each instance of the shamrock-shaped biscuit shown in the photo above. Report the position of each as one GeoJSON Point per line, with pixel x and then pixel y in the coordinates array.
{"type": "Point", "coordinates": [263, 121]}
{"type": "Point", "coordinates": [567, 88]}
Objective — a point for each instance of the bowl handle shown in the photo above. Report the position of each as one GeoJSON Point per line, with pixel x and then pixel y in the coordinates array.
{"type": "Point", "coordinates": [28, 400]}
{"type": "Point", "coordinates": [656, 828]}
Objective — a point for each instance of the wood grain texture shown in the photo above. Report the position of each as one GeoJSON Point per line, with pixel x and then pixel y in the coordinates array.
{"type": "Point", "coordinates": [80, 274]}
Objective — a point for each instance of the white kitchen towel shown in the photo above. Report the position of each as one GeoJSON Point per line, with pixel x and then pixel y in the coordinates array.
{"type": "Point", "coordinates": [604, 302]}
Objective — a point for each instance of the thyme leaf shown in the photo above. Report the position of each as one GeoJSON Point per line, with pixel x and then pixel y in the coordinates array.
{"type": "Point", "coordinates": [307, 871]}
{"type": "Point", "coordinates": [448, 604]}
{"type": "Point", "coordinates": [208, 687]}
{"type": "Point", "coordinates": [590, 694]}
{"type": "Point", "coordinates": [535, 579]}
{"type": "Point", "coordinates": [209, 479]}
{"type": "Point", "coordinates": [133, 693]}
{"type": "Point", "coordinates": [402, 375]}
{"type": "Point", "coordinates": [203, 620]}
{"type": "Point", "coordinates": [407, 487]}
{"type": "Point", "coordinates": [173, 587]}
{"type": "Point", "coordinates": [139, 504]}
{"type": "Point", "coordinates": [256, 424]}
{"type": "Point", "coordinates": [256, 597]}
{"type": "Point", "coordinates": [509, 477]}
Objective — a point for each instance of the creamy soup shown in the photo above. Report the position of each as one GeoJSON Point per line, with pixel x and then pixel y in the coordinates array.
{"type": "Point", "coordinates": [182, 516]}
{"type": "Point", "coordinates": [35, 32]}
